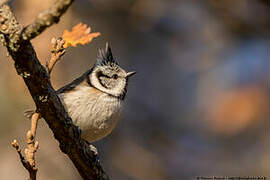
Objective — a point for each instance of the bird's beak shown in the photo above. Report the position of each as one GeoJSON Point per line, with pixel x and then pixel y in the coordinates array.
{"type": "Point", "coordinates": [129, 74]}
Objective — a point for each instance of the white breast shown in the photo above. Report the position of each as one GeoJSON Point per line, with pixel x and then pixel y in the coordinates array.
{"type": "Point", "coordinates": [95, 112]}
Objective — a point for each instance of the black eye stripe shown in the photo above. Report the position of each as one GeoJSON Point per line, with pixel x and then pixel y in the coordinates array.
{"type": "Point", "coordinates": [115, 76]}
{"type": "Point", "coordinates": [103, 75]}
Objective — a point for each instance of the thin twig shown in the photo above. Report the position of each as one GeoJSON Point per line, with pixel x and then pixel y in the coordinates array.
{"type": "Point", "coordinates": [34, 120]}
{"type": "Point", "coordinates": [29, 161]}
{"type": "Point", "coordinates": [32, 170]}
{"type": "Point", "coordinates": [46, 19]}
{"type": "Point", "coordinates": [32, 146]}
{"type": "Point", "coordinates": [57, 51]}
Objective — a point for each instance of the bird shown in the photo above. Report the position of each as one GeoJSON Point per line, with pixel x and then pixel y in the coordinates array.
{"type": "Point", "coordinates": [95, 99]}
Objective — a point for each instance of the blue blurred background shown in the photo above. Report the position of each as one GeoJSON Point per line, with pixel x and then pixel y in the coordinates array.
{"type": "Point", "coordinates": [198, 106]}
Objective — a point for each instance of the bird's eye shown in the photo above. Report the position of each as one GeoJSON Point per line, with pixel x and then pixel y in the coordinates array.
{"type": "Point", "coordinates": [115, 76]}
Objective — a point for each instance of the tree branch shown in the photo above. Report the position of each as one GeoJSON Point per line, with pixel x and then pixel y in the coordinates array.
{"type": "Point", "coordinates": [57, 51]}
{"type": "Point", "coordinates": [47, 102]}
{"type": "Point", "coordinates": [30, 167]}
{"type": "Point", "coordinates": [46, 19]}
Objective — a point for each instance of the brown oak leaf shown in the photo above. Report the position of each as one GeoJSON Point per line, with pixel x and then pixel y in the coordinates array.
{"type": "Point", "coordinates": [80, 34]}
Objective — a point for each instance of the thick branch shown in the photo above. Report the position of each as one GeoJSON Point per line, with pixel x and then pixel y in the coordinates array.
{"type": "Point", "coordinates": [47, 102]}
{"type": "Point", "coordinates": [46, 19]}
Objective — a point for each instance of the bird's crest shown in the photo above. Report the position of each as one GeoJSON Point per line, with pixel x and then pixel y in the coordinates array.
{"type": "Point", "coordinates": [105, 57]}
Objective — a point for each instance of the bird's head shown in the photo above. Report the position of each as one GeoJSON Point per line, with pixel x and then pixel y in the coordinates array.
{"type": "Point", "coordinates": [108, 76]}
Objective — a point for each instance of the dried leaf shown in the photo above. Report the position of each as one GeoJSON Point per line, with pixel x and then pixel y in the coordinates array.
{"type": "Point", "coordinates": [80, 34]}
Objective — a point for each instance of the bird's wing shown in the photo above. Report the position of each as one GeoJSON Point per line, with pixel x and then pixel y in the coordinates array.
{"type": "Point", "coordinates": [74, 83]}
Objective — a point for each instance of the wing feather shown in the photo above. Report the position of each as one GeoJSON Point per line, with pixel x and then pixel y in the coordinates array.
{"type": "Point", "coordinates": [75, 82]}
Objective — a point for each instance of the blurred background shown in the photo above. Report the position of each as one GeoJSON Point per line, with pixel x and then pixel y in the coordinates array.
{"type": "Point", "coordinates": [198, 106]}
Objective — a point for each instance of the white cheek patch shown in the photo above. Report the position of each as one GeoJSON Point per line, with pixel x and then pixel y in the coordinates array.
{"type": "Point", "coordinates": [116, 91]}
